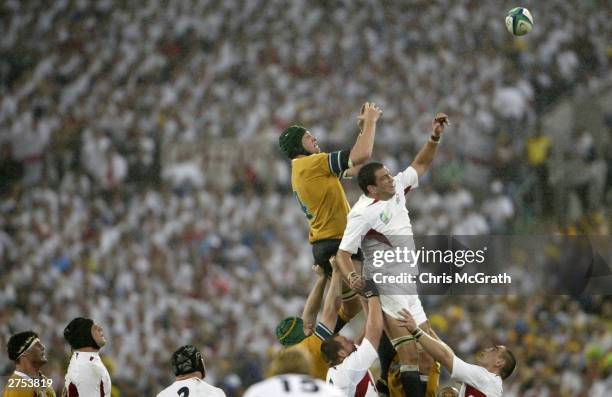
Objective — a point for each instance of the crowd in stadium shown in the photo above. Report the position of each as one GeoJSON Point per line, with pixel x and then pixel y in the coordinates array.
{"type": "Point", "coordinates": [92, 223]}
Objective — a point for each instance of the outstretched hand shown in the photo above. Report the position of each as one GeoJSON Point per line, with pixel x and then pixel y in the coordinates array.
{"type": "Point", "coordinates": [439, 123]}
{"type": "Point", "coordinates": [319, 270]}
{"type": "Point", "coordinates": [407, 321]}
{"type": "Point", "coordinates": [369, 112]}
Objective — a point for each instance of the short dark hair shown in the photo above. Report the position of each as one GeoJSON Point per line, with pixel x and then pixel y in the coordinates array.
{"type": "Point", "coordinates": [367, 177]}
{"type": "Point", "coordinates": [19, 343]}
{"type": "Point", "coordinates": [509, 364]}
{"type": "Point", "coordinates": [330, 348]}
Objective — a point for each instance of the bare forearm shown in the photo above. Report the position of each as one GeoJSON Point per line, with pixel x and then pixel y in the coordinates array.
{"type": "Point", "coordinates": [438, 350]}
{"type": "Point", "coordinates": [344, 262]}
{"type": "Point", "coordinates": [332, 301]}
{"type": "Point", "coordinates": [374, 324]}
{"type": "Point", "coordinates": [425, 157]}
{"type": "Point", "coordinates": [362, 150]}
{"type": "Point", "coordinates": [313, 302]}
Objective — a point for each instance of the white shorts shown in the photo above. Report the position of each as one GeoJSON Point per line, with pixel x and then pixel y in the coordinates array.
{"type": "Point", "coordinates": [392, 304]}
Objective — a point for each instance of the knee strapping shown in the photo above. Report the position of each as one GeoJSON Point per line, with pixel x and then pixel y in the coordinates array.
{"type": "Point", "coordinates": [397, 342]}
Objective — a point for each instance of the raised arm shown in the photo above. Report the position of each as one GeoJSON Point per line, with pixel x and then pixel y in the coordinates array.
{"type": "Point", "coordinates": [313, 302]}
{"type": "Point", "coordinates": [437, 349]}
{"type": "Point", "coordinates": [425, 156]}
{"type": "Point", "coordinates": [374, 322]}
{"type": "Point", "coordinates": [329, 316]}
{"type": "Point", "coordinates": [362, 150]}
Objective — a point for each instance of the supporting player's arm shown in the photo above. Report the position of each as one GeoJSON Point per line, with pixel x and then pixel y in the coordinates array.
{"type": "Point", "coordinates": [313, 302]}
{"type": "Point", "coordinates": [437, 349]}
{"type": "Point", "coordinates": [425, 156]}
{"type": "Point", "coordinates": [332, 302]}
{"type": "Point", "coordinates": [362, 150]}
{"type": "Point", "coordinates": [344, 262]}
{"type": "Point", "coordinates": [374, 322]}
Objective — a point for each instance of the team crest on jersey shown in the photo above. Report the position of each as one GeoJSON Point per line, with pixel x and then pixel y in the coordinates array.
{"type": "Point", "coordinates": [385, 217]}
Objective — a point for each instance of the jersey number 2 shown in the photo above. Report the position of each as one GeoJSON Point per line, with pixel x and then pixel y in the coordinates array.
{"type": "Point", "coordinates": [183, 392]}
{"type": "Point", "coordinates": [302, 206]}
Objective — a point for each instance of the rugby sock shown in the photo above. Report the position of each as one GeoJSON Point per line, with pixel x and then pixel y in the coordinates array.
{"type": "Point", "coordinates": [424, 379]}
{"type": "Point", "coordinates": [411, 383]}
{"type": "Point", "coordinates": [386, 352]}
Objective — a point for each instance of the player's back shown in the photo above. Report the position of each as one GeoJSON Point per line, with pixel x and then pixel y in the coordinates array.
{"type": "Point", "coordinates": [192, 387]}
{"type": "Point", "coordinates": [317, 187]}
{"type": "Point", "coordinates": [292, 385]}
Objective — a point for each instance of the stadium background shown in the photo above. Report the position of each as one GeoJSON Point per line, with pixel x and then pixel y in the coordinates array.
{"type": "Point", "coordinates": [141, 186]}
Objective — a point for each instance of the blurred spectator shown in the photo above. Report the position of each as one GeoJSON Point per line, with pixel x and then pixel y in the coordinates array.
{"type": "Point", "coordinates": [11, 170]}
{"type": "Point", "coordinates": [97, 96]}
{"type": "Point", "coordinates": [498, 208]}
{"type": "Point", "coordinates": [538, 149]}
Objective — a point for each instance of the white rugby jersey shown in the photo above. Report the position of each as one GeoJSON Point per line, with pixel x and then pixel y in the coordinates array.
{"type": "Point", "coordinates": [292, 385]}
{"type": "Point", "coordinates": [192, 387]}
{"type": "Point", "coordinates": [389, 218]}
{"type": "Point", "coordinates": [377, 226]}
{"type": "Point", "coordinates": [352, 376]}
{"type": "Point", "coordinates": [477, 381]}
{"type": "Point", "coordinates": [87, 376]}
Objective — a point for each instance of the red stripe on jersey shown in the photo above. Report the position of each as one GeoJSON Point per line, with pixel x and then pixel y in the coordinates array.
{"type": "Point", "coordinates": [473, 392]}
{"type": "Point", "coordinates": [362, 386]}
{"type": "Point", "coordinates": [72, 390]}
{"type": "Point", "coordinates": [407, 190]}
{"type": "Point", "coordinates": [378, 236]}
{"type": "Point", "coordinates": [373, 202]}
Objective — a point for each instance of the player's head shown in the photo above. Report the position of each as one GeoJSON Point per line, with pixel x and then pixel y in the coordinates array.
{"type": "Point", "coordinates": [296, 141]}
{"type": "Point", "coordinates": [26, 349]}
{"type": "Point", "coordinates": [448, 391]}
{"type": "Point", "coordinates": [83, 333]}
{"type": "Point", "coordinates": [336, 348]}
{"type": "Point", "coordinates": [188, 360]}
{"type": "Point", "coordinates": [376, 181]}
{"type": "Point", "coordinates": [497, 359]}
{"type": "Point", "coordinates": [291, 360]}
{"type": "Point", "coordinates": [290, 331]}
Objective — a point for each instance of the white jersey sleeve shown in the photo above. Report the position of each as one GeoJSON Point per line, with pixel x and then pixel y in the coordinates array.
{"type": "Point", "coordinates": [362, 358]}
{"type": "Point", "coordinates": [476, 378]}
{"type": "Point", "coordinates": [292, 385]}
{"type": "Point", "coordinates": [407, 180]}
{"type": "Point", "coordinates": [356, 227]}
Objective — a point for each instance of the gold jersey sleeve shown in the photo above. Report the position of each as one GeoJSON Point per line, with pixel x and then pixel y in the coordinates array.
{"type": "Point", "coordinates": [16, 388]}
{"type": "Point", "coordinates": [312, 346]}
{"type": "Point", "coordinates": [319, 192]}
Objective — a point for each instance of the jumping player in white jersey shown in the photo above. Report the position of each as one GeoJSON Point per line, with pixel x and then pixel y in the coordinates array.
{"type": "Point", "coordinates": [188, 367]}
{"type": "Point", "coordinates": [379, 222]}
{"type": "Point", "coordinates": [348, 364]}
{"type": "Point", "coordinates": [484, 379]}
{"type": "Point", "coordinates": [86, 374]}
{"type": "Point", "coordinates": [290, 376]}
